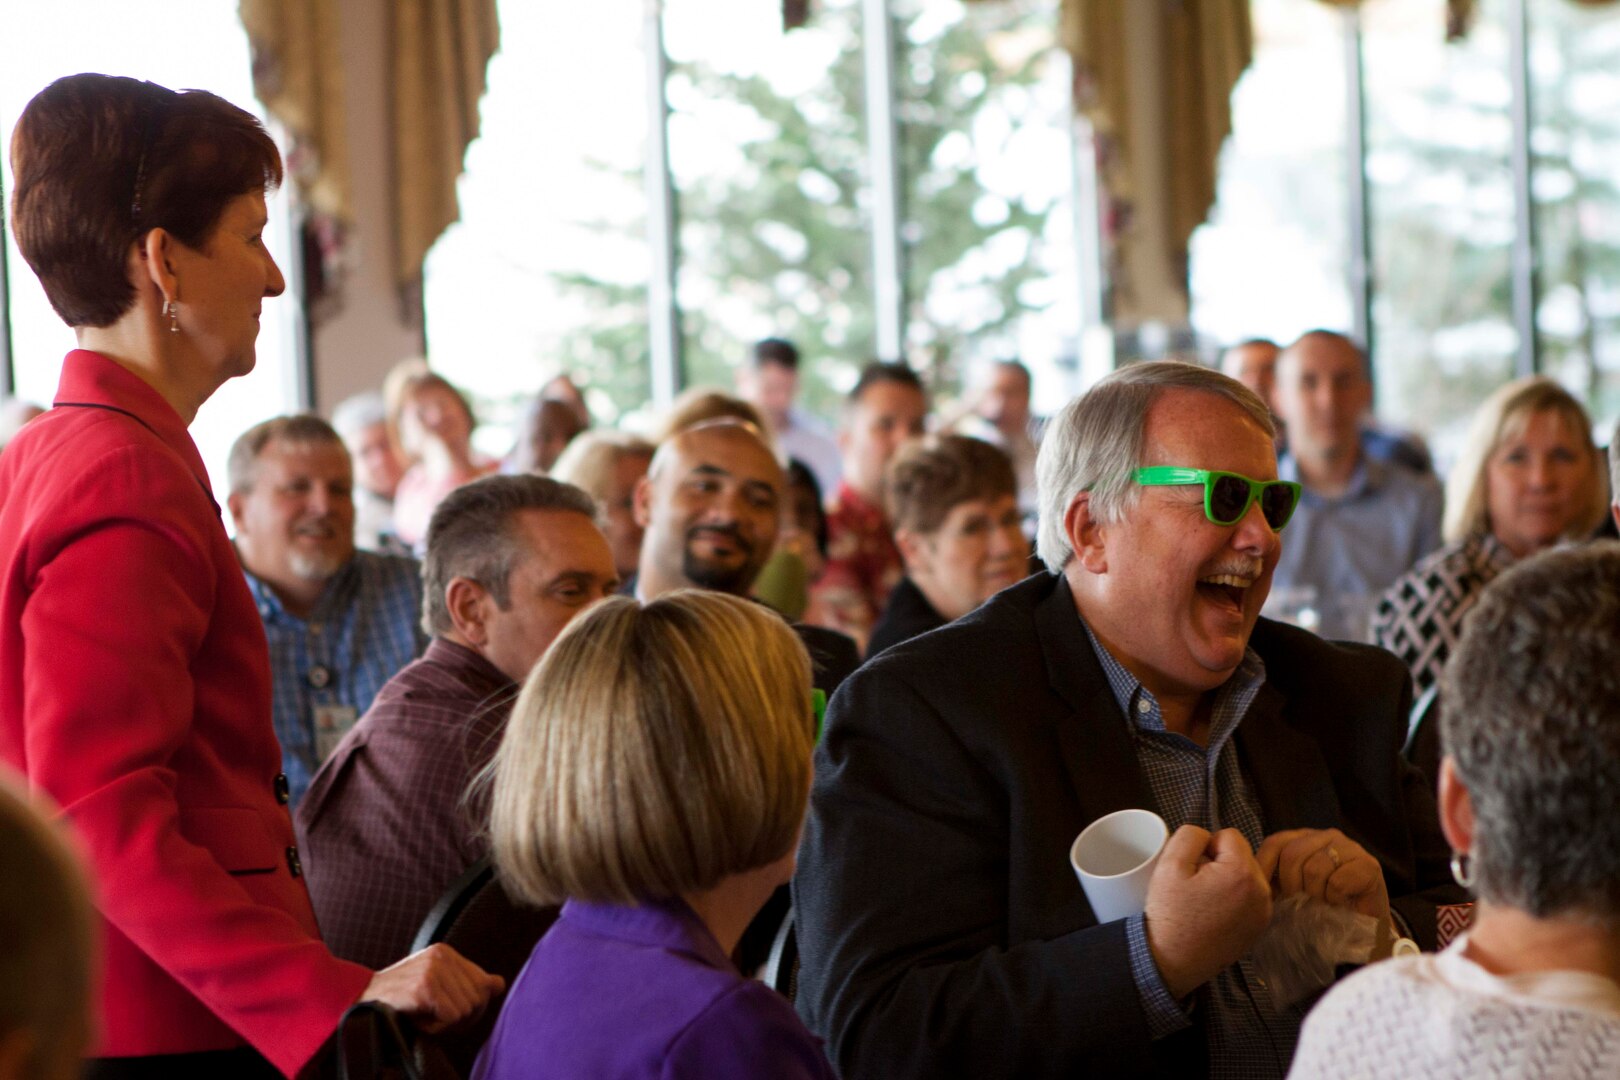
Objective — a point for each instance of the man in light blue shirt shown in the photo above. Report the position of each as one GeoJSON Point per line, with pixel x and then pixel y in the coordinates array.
{"type": "Point", "coordinates": [1361, 522]}
{"type": "Point", "coordinates": [340, 622]}
{"type": "Point", "coordinates": [770, 381]}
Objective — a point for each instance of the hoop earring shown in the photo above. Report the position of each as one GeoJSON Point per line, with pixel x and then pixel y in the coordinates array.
{"type": "Point", "coordinates": [171, 308]}
{"type": "Point", "coordinates": [1462, 869]}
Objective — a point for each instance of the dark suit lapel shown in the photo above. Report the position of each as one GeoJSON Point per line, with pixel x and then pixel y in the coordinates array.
{"type": "Point", "coordinates": [1290, 778]}
{"type": "Point", "coordinates": [1091, 734]}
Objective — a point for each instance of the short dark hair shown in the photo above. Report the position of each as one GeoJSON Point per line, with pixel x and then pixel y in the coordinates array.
{"type": "Point", "coordinates": [775, 350]}
{"type": "Point", "coordinates": [100, 160]}
{"type": "Point", "coordinates": [471, 536]}
{"type": "Point", "coordinates": [242, 467]}
{"type": "Point", "coordinates": [931, 476]}
{"type": "Point", "coordinates": [882, 371]}
{"type": "Point", "coordinates": [1532, 725]}
{"type": "Point", "coordinates": [1012, 364]}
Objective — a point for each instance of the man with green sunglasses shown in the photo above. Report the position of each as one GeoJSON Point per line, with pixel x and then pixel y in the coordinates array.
{"type": "Point", "coordinates": [941, 929]}
{"type": "Point", "coordinates": [1228, 495]}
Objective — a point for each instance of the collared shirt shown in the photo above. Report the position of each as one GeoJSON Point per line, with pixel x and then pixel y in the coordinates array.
{"type": "Point", "coordinates": [805, 438]}
{"type": "Point", "coordinates": [1205, 786]}
{"type": "Point", "coordinates": [326, 669]}
{"type": "Point", "coordinates": [863, 567]}
{"type": "Point", "coordinates": [388, 824]}
{"type": "Point", "coordinates": [643, 991]}
{"type": "Point", "coordinates": [1340, 553]}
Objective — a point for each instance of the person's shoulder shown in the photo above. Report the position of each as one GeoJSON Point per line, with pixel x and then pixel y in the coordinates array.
{"type": "Point", "coordinates": [1375, 997]}
{"type": "Point", "coordinates": [980, 642]}
{"type": "Point", "coordinates": [72, 471]}
{"type": "Point", "coordinates": [1298, 661]}
{"type": "Point", "coordinates": [1446, 563]}
{"type": "Point", "coordinates": [1424, 486]}
{"type": "Point", "coordinates": [748, 1030]}
{"type": "Point", "coordinates": [389, 573]}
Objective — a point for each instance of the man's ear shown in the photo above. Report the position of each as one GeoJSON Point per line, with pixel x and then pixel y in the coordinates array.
{"type": "Point", "coordinates": [1086, 535]}
{"type": "Point", "coordinates": [1456, 808]}
{"type": "Point", "coordinates": [468, 603]}
{"type": "Point", "coordinates": [234, 503]}
{"type": "Point", "coordinates": [641, 501]}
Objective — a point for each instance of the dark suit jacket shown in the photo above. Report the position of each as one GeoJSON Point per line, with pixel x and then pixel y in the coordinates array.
{"type": "Point", "coordinates": [942, 931]}
{"type": "Point", "coordinates": [908, 614]}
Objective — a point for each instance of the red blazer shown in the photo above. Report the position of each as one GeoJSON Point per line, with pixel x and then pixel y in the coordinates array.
{"type": "Point", "coordinates": [135, 690]}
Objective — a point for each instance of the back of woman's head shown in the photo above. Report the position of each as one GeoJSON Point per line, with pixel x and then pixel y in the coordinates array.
{"type": "Point", "coordinates": [99, 160]}
{"type": "Point", "coordinates": [1532, 725]}
{"type": "Point", "coordinates": [655, 751]}
{"type": "Point", "coordinates": [46, 944]}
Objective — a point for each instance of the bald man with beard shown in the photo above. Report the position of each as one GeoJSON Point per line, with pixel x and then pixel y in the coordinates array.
{"type": "Point", "coordinates": [711, 506]}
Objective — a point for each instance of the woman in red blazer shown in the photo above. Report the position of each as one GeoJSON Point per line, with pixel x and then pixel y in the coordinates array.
{"type": "Point", "coordinates": [134, 675]}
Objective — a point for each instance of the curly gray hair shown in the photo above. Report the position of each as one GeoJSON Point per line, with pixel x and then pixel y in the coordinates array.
{"type": "Point", "coordinates": [1532, 725]}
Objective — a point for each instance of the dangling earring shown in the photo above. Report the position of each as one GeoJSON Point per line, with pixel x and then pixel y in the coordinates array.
{"type": "Point", "coordinates": [1462, 869]}
{"type": "Point", "coordinates": [171, 308]}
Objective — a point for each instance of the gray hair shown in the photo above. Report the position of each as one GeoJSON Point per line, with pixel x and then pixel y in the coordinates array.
{"type": "Point", "coordinates": [242, 467]}
{"type": "Point", "coordinates": [472, 536]}
{"type": "Point", "coordinates": [1532, 725]}
{"type": "Point", "coordinates": [1096, 444]}
{"type": "Point", "coordinates": [354, 414]}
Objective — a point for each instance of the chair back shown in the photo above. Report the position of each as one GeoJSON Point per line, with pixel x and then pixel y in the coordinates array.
{"type": "Point", "coordinates": [480, 921]}
{"type": "Point", "coordinates": [376, 1043]}
{"type": "Point", "coordinates": [781, 970]}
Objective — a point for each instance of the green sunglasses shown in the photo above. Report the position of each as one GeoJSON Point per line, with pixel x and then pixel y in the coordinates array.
{"type": "Point", "coordinates": [1228, 495]}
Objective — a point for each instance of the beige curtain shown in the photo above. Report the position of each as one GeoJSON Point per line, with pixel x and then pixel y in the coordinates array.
{"type": "Point", "coordinates": [440, 51]}
{"type": "Point", "coordinates": [298, 74]}
{"type": "Point", "coordinates": [1206, 46]}
{"type": "Point", "coordinates": [437, 51]}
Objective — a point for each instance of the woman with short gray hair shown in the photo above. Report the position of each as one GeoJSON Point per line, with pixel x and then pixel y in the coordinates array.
{"type": "Point", "coordinates": [1530, 803]}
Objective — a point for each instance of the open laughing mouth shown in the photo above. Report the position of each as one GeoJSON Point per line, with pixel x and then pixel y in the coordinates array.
{"type": "Point", "coordinates": [1227, 590]}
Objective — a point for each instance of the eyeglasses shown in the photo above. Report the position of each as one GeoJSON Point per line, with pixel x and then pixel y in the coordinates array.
{"type": "Point", "coordinates": [1228, 495]}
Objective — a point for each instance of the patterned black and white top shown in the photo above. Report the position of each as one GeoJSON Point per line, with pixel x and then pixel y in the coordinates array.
{"type": "Point", "coordinates": [1444, 1017]}
{"type": "Point", "coordinates": [1420, 617]}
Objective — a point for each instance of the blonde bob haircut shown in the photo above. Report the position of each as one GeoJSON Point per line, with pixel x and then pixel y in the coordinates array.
{"type": "Point", "coordinates": [655, 751]}
{"type": "Point", "coordinates": [1501, 419]}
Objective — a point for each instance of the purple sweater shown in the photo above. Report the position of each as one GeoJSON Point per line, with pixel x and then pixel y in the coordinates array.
{"type": "Point", "coordinates": [620, 992]}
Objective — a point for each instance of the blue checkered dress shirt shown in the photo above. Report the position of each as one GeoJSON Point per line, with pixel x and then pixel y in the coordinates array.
{"type": "Point", "coordinates": [1249, 1037]}
{"type": "Point", "coordinates": [364, 628]}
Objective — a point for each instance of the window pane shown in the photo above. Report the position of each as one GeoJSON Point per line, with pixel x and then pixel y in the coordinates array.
{"type": "Point", "coordinates": [1575, 97]}
{"type": "Point", "coordinates": [179, 44]}
{"type": "Point", "coordinates": [987, 188]}
{"type": "Point", "coordinates": [1272, 260]}
{"type": "Point", "coordinates": [1439, 137]}
{"type": "Point", "coordinates": [547, 269]}
{"type": "Point", "coordinates": [768, 148]}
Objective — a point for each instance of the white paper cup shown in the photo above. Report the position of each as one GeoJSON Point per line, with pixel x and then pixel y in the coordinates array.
{"type": "Point", "coordinates": [1114, 857]}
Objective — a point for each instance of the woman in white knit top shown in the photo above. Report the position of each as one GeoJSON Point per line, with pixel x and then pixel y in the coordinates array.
{"type": "Point", "coordinates": [1530, 802]}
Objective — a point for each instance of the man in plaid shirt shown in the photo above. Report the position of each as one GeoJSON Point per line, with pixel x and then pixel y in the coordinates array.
{"type": "Point", "coordinates": [392, 819]}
